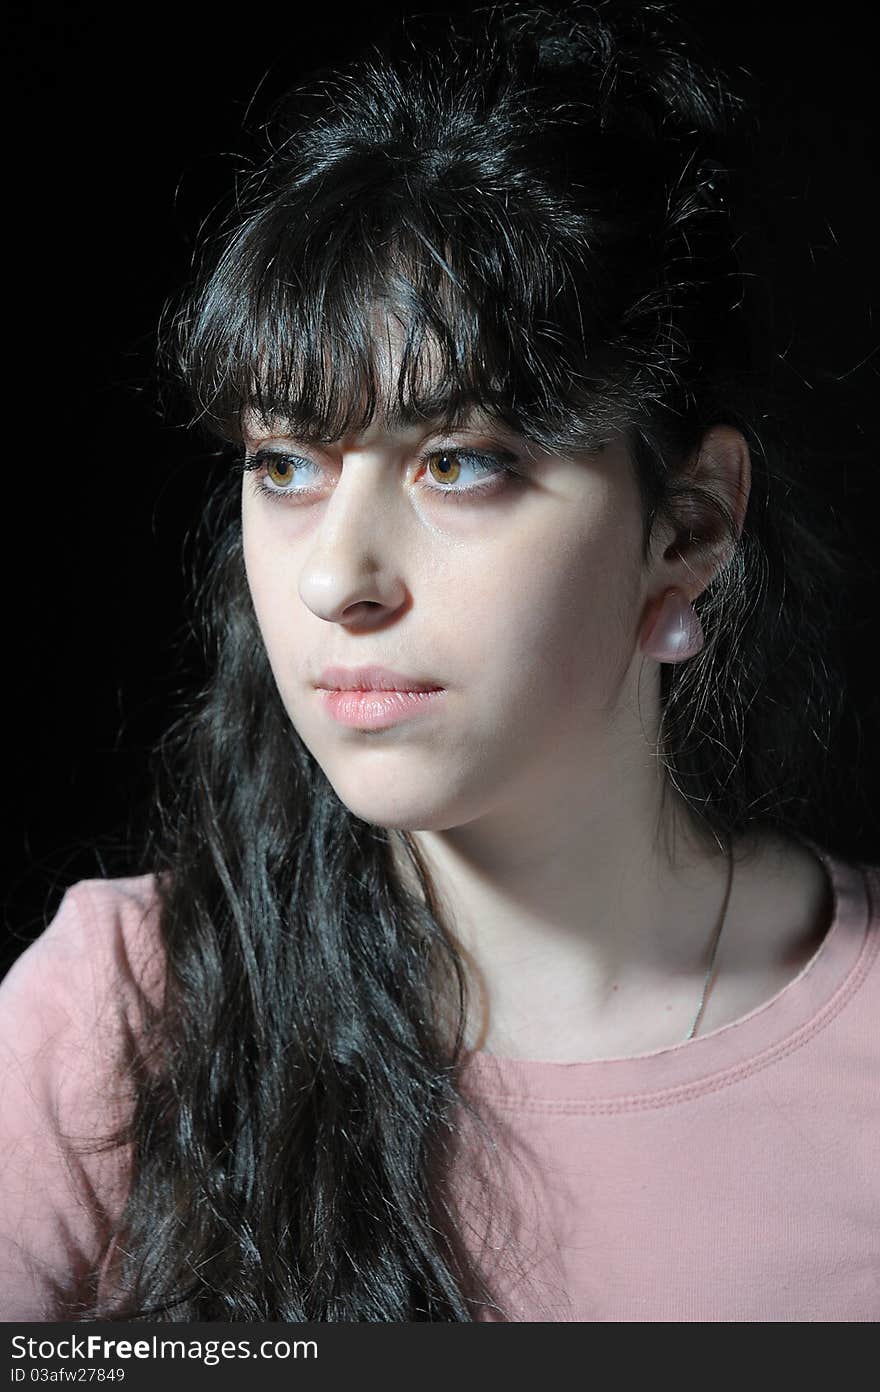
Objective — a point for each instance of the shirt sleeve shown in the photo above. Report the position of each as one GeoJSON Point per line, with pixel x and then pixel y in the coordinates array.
{"type": "Point", "coordinates": [60, 1047]}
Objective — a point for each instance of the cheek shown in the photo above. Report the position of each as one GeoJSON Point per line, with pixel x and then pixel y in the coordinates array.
{"type": "Point", "coordinates": [274, 598]}
{"type": "Point", "coordinates": [560, 621]}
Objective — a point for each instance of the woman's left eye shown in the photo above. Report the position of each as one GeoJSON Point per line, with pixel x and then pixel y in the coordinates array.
{"type": "Point", "coordinates": [277, 472]}
{"type": "Point", "coordinates": [447, 465]}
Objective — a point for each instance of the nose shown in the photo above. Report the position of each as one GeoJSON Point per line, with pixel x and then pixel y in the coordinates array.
{"type": "Point", "coordinates": [352, 569]}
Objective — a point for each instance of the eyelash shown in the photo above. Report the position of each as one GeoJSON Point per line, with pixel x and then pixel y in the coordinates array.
{"type": "Point", "coordinates": [503, 460]}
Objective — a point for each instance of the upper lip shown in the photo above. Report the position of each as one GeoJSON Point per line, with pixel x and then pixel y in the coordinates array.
{"type": "Point", "coordinates": [372, 679]}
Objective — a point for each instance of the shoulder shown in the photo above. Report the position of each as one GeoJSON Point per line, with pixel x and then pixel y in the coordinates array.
{"type": "Point", "coordinates": [74, 1006]}
{"type": "Point", "coordinates": [70, 1024]}
{"type": "Point", "coordinates": [853, 888]}
{"type": "Point", "coordinates": [855, 885]}
{"type": "Point", "coordinates": [854, 944]}
{"type": "Point", "coordinates": [870, 872]}
{"type": "Point", "coordinates": [119, 916]}
{"type": "Point", "coordinates": [100, 953]}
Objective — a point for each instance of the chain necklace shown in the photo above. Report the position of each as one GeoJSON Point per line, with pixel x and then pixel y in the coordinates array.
{"type": "Point", "coordinates": [712, 955]}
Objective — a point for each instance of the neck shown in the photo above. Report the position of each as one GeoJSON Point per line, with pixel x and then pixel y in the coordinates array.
{"type": "Point", "coordinates": [571, 912]}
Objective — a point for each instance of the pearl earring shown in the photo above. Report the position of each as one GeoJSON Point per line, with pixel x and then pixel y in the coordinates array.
{"type": "Point", "coordinates": [675, 633]}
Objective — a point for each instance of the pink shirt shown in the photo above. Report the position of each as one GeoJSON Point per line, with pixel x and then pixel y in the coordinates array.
{"type": "Point", "coordinates": [734, 1177]}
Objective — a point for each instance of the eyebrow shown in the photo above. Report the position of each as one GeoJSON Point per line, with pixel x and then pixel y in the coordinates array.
{"type": "Point", "coordinates": [401, 418]}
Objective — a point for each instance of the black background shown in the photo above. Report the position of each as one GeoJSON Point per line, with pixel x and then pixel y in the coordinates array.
{"type": "Point", "coordinates": [126, 123]}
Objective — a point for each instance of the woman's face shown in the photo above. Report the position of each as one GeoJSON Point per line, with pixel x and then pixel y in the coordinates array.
{"type": "Point", "coordinates": [521, 600]}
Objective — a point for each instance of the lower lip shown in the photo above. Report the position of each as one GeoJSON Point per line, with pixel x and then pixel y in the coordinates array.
{"type": "Point", "coordinates": [375, 710]}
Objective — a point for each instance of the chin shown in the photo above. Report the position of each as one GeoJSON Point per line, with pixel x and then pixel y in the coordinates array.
{"type": "Point", "coordinates": [398, 803]}
{"type": "Point", "coordinates": [396, 814]}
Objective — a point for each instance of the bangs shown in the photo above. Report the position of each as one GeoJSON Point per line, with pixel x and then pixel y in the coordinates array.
{"type": "Point", "coordinates": [329, 317]}
{"type": "Point", "coordinates": [455, 230]}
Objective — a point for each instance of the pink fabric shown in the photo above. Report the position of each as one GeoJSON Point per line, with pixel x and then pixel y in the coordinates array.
{"type": "Point", "coordinates": [734, 1177]}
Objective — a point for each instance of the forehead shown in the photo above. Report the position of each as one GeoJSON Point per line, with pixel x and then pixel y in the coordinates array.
{"type": "Point", "coordinates": [409, 396]}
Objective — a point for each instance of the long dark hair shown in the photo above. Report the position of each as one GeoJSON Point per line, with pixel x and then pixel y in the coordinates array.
{"type": "Point", "coordinates": [560, 204]}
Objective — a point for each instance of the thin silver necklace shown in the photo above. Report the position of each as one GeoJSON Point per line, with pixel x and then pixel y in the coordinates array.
{"type": "Point", "coordinates": [712, 955]}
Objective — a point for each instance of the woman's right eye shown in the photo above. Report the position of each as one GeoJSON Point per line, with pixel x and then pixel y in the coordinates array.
{"type": "Point", "coordinates": [276, 471]}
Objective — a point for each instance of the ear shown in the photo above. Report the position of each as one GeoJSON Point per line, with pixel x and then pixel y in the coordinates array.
{"type": "Point", "coordinates": [720, 465]}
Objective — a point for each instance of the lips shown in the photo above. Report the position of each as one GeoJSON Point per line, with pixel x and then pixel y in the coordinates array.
{"type": "Point", "coordinates": [372, 679]}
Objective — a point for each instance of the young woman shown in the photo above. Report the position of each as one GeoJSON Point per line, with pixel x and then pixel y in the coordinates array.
{"type": "Point", "coordinates": [486, 961]}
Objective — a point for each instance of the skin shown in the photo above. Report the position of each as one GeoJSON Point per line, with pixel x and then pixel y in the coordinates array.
{"type": "Point", "coordinates": [584, 914]}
